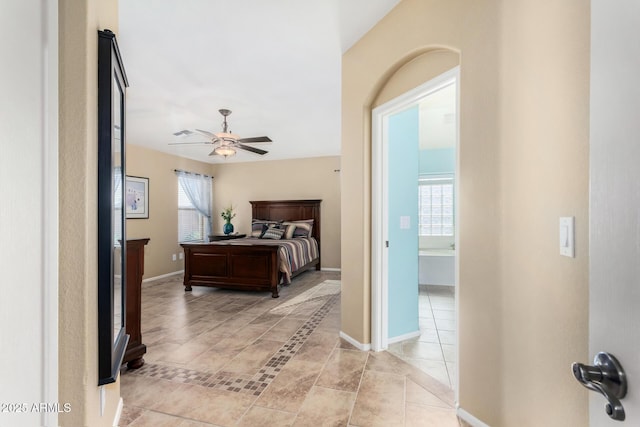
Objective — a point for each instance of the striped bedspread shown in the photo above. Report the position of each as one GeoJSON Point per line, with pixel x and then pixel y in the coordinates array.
{"type": "Point", "coordinates": [292, 254]}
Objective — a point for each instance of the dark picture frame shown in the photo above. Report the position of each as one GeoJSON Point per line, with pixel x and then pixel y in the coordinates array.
{"type": "Point", "coordinates": [137, 197]}
{"type": "Point", "coordinates": [112, 84]}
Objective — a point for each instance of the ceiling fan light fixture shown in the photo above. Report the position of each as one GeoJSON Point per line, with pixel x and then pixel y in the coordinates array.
{"type": "Point", "coordinates": [224, 151]}
{"type": "Point", "coordinates": [227, 143]}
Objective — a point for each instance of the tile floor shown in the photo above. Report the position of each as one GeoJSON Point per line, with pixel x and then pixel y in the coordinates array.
{"type": "Point", "coordinates": [226, 358]}
{"type": "Point", "coordinates": [434, 351]}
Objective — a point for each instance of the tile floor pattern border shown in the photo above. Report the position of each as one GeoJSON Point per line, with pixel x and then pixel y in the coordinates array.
{"type": "Point", "coordinates": [308, 390]}
{"type": "Point", "coordinates": [257, 383]}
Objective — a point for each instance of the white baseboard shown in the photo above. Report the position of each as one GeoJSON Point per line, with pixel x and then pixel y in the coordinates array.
{"type": "Point", "coordinates": [116, 420]}
{"type": "Point", "coordinates": [162, 276]}
{"type": "Point", "coordinates": [355, 343]}
{"type": "Point", "coordinates": [330, 269]}
{"type": "Point", "coordinates": [470, 419]}
{"type": "Point", "coordinates": [403, 337]}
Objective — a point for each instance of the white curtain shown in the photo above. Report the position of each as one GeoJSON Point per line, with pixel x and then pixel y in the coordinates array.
{"type": "Point", "coordinates": [198, 189]}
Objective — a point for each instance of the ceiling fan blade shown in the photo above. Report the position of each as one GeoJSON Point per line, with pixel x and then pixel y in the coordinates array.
{"type": "Point", "coordinates": [252, 149]}
{"type": "Point", "coordinates": [190, 143]}
{"type": "Point", "coordinates": [184, 132]}
{"type": "Point", "coordinates": [213, 153]}
{"type": "Point", "coordinates": [255, 139]}
{"type": "Point", "coordinates": [205, 132]}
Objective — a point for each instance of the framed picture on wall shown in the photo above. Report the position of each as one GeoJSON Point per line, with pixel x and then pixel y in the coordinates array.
{"type": "Point", "coordinates": [137, 197]}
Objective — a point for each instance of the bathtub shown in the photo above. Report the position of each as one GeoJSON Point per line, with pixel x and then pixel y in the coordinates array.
{"type": "Point", "coordinates": [437, 267]}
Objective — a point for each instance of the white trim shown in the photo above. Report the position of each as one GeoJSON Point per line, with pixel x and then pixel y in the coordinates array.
{"type": "Point", "coordinates": [379, 211]}
{"type": "Point", "coordinates": [162, 276]}
{"type": "Point", "coordinates": [456, 221]}
{"type": "Point", "coordinates": [379, 208]}
{"type": "Point", "coordinates": [403, 337]}
{"type": "Point", "coordinates": [379, 197]}
{"type": "Point", "coordinates": [50, 185]}
{"type": "Point", "coordinates": [355, 343]}
{"type": "Point", "coordinates": [116, 419]}
{"type": "Point", "coordinates": [330, 269]}
{"type": "Point", "coordinates": [470, 419]}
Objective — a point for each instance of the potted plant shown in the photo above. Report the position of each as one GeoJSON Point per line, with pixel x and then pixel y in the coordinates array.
{"type": "Point", "coordinates": [227, 214]}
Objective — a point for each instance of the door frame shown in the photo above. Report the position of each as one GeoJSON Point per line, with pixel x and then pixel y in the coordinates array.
{"type": "Point", "coordinates": [380, 196]}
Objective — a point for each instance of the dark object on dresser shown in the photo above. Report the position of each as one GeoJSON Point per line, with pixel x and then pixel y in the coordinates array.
{"type": "Point", "coordinates": [135, 271]}
{"type": "Point", "coordinates": [249, 267]}
{"type": "Point", "coordinates": [218, 237]}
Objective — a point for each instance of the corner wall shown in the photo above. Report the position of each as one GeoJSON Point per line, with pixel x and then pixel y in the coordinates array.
{"type": "Point", "coordinates": [79, 21]}
{"type": "Point", "coordinates": [162, 225]}
{"type": "Point", "coordinates": [522, 163]}
{"type": "Point", "coordinates": [412, 33]}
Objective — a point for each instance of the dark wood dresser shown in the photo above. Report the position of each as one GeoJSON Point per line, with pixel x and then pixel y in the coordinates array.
{"type": "Point", "coordinates": [135, 270]}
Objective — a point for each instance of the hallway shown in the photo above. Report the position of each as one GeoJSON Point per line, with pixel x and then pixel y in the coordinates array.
{"type": "Point", "coordinates": [434, 351]}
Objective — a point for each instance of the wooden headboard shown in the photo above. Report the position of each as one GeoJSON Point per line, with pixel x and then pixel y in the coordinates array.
{"type": "Point", "coordinates": [289, 210]}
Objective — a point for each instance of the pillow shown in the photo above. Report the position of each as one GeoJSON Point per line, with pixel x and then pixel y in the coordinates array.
{"type": "Point", "coordinates": [259, 226]}
{"type": "Point", "coordinates": [296, 229]}
{"type": "Point", "coordinates": [274, 233]}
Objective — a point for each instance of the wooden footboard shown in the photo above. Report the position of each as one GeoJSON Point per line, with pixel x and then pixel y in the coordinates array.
{"type": "Point", "coordinates": [252, 268]}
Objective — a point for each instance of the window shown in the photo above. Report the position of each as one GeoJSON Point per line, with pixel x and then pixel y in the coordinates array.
{"type": "Point", "coordinates": [194, 206]}
{"type": "Point", "coordinates": [435, 204]}
{"type": "Point", "coordinates": [190, 221]}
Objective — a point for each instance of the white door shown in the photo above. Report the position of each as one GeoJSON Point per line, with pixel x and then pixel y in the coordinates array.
{"type": "Point", "coordinates": [614, 230]}
{"type": "Point", "coordinates": [28, 212]}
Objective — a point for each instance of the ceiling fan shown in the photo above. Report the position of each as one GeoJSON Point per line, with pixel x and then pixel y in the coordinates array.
{"type": "Point", "coordinates": [225, 143]}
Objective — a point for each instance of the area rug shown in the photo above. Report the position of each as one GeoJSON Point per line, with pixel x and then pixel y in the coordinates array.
{"type": "Point", "coordinates": [321, 290]}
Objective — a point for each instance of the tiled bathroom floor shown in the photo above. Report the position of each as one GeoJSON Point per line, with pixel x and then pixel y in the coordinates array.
{"type": "Point", "coordinates": [434, 351]}
{"type": "Point", "coordinates": [227, 358]}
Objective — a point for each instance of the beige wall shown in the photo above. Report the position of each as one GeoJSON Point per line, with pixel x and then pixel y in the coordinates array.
{"type": "Point", "coordinates": [522, 164]}
{"type": "Point", "coordinates": [415, 72]}
{"type": "Point", "coordinates": [79, 21]}
{"type": "Point", "coordinates": [412, 29]}
{"type": "Point", "coordinates": [544, 175]}
{"type": "Point", "coordinates": [310, 178]}
{"type": "Point", "coordinates": [162, 225]}
{"type": "Point", "coordinates": [234, 183]}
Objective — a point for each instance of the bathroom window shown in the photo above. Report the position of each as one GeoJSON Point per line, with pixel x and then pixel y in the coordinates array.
{"type": "Point", "coordinates": [435, 201]}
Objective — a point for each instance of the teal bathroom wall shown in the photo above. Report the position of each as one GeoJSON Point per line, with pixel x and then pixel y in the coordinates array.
{"type": "Point", "coordinates": [403, 166]}
{"type": "Point", "coordinates": [438, 160]}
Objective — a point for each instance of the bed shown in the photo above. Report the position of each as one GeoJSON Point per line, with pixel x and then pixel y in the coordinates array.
{"type": "Point", "coordinates": [251, 263]}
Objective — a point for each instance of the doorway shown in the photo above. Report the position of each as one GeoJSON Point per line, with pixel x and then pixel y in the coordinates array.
{"type": "Point", "coordinates": [414, 315]}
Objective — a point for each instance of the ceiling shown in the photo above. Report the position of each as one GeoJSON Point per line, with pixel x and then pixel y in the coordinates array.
{"type": "Point", "coordinates": [274, 63]}
{"type": "Point", "coordinates": [437, 127]}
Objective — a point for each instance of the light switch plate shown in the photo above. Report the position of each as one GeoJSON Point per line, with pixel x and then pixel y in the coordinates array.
{"type": "Point", "coordinates": [405, 222]}
{"type": "Point", "coordinates": [567, 246]}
